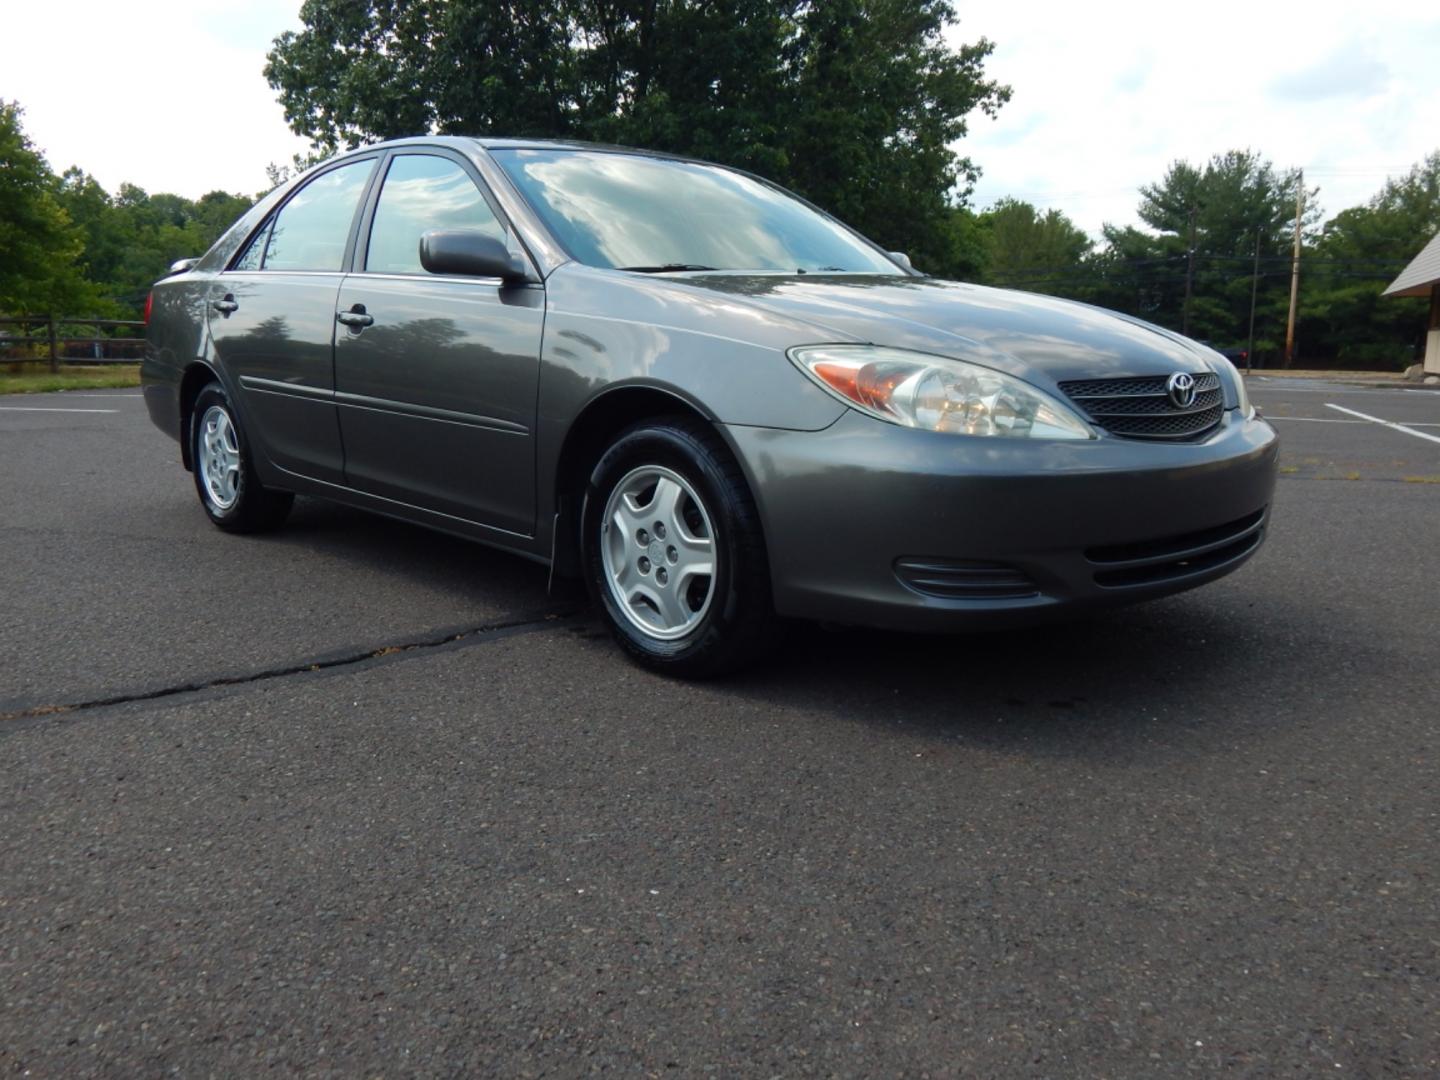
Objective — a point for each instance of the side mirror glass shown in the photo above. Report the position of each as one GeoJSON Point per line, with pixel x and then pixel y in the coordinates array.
{"type": "Point", "coordinates": [469, 253]}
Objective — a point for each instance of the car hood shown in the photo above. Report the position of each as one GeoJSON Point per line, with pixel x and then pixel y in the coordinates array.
{"type": "Point", "coordinates": [1021, 333]}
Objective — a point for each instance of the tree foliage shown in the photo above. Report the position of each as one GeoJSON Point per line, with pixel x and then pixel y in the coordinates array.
{"type": "Point", "coordinates": [1359, 251]}
{"type": "Point", "coordinates": [1233, 202]}
{"type": "Point", "coordinates": [1238, 200]}
{"type": "Point", "coordinates": [1026, 249]}
{"type": "Point", "coordinates": [40, 246]}
{"type": "Point", "coordinates": [854, 104]}
{"type": "Point", "coordinates": [68, 247]}
{"type": "Point", "coordinates": [131, 238]}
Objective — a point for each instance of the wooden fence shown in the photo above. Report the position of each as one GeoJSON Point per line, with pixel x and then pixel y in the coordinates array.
{"type": "Point", "coordinates": [63, 340]}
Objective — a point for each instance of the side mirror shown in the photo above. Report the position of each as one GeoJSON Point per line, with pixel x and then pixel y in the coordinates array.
{"type": "Point", "coordinates": [181, 266]}
{"type": "Point", "coordinates": [468, 253]}
{"type": "Point", "coordinates": [901, 258]}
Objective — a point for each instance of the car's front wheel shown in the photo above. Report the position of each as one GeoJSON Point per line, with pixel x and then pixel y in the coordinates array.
{"type": "Point", "coordinates": [225, 479]}
{"type": "Point", "coordinates": [674, 553]}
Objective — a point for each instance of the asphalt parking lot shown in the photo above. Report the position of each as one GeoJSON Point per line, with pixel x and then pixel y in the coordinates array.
{"type": "Point", "coordinates": [359, 800]}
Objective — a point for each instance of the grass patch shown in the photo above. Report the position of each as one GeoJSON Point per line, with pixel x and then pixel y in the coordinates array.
{"type": "Point", "coordinates": [38, 379]}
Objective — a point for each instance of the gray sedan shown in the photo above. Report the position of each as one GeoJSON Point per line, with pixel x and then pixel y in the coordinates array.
{"type": "Point", "coordinates": [714, 403]}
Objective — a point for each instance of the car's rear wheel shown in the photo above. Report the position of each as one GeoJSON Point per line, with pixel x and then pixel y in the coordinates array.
{"type": "Point", "coordinates": [674, 553]}
{"type": "Point", "coordinates": [225, 479]}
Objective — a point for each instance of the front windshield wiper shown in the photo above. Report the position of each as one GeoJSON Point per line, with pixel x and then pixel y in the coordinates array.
{"type": "Point", "coordinates": [822, 270]}
{"type": "Point", "coordinates": [665, 268]}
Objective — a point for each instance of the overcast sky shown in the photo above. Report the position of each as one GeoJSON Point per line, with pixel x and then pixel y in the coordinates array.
{"type": "Point", "coordinates": [168, 94]}
{"type": "Point", "coordinates": [1107, 94]}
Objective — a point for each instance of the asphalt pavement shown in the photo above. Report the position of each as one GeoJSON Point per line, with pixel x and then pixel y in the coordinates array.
{"type": "Point", "coordinates": [360, 800]}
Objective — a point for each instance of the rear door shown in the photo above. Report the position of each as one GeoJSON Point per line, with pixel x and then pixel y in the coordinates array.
{"type": "Point", "coordinates": [436, 377]}
{"type": "Point", "coordinates": [272, 321]}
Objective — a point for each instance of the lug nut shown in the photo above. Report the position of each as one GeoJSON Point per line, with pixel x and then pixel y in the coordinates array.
{"type": "Point", "coordinates": [644, 565]}
{"type": "Point", "coordinates": [672, 554]}
{"type": "Point", "coordinates": [659, 530]}
{"type": "Point", "coordinates": [642, 537]}
{"type": "Point", "coordinates": [661, 576]}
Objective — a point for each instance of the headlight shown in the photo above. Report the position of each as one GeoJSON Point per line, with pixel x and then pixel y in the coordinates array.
{"type": "Point", "coordinates": [1224, 367]}
{"type": "Point", "coordinates": [936, 394]}
{"type": "Point", "coordinates": [1242, 395]}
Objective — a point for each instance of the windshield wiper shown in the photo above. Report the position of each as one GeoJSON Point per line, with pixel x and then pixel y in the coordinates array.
{"type": "Point", "coordinates": [665, 268]}
{"type": "Point", "coordinates": [822, 270]}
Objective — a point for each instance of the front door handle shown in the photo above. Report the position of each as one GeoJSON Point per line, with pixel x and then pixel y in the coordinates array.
{"type": "Point", "coordinates": [355, 318]}
{"type": "Point", "coordinates": [225, 306]}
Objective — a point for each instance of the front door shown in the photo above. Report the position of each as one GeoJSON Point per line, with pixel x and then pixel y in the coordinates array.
{"type": "Point", "coordinates": [436, 377]}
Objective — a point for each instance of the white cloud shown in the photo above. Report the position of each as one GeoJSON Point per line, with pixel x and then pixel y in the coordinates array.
{"type": "Point", "coordinates": [167, 94]}
{"type": "Point", "coordinates": [1350, 71]}
{"type": "Point", "coordinates": [1107, 96]}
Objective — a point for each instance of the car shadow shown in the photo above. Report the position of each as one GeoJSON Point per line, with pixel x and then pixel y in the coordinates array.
{"type": "Point", "coordinates": [420, 556]}
{"type": "Point", "coordinates": [1200, 669]}
{"type": "Point", "coordinates": [1200, 666]}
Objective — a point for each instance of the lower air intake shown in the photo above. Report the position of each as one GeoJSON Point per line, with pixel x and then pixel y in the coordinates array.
{"type": "Point", "coordinates": [1153, 562]}
{"type": "Point", "coordinates": [962, 579]}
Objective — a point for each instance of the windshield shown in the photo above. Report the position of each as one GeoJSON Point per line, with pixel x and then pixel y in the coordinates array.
{"type": "Point", "coordinates": [626, 211]}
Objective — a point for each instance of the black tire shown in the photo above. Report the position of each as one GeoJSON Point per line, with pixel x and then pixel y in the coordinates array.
{"type": "Point", "coordinates": [253, 507]}
{"type": "Point", "coordinates": [738, 622]}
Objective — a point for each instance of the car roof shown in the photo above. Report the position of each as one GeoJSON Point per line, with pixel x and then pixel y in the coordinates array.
{"type": "Point", "coordinates": [496, 142]}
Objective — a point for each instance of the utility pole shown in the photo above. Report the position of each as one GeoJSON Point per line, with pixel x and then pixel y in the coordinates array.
{"type": "Point", "coordinates": [1254, 287]}
{"type": "Point", "coordinates": [1189, 276]}
{"type": "Point", "coordinates": [1295, 273]}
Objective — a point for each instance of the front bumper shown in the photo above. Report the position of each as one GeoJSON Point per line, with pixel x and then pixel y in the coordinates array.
{"type": "Point", "coordinates": [989, 533]}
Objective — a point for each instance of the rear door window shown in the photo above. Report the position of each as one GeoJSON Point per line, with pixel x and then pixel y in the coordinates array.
{"type": "Point", "coordinates": [311, 230]}
{"type": "Point", "coordinates": [423, 192]}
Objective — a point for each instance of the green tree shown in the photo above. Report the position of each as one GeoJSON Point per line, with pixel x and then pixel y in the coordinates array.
{"type": "Point", "coordinates": [1360, 251]}
{"type": "Point", "coordinates": [106, 245]}
{"type": "Point", "coordinates": [40, 246]}
{"type": "Point", "coordinates": [1228, 204]}
{"type": "Point", "coordinates": [1026, 249]}
{"type": "Point", "coordinates": [131, 238]}
{"type": "Point", "coordinates": [855, 104]}
{"type": "Point", "coordinates": [879, 101]}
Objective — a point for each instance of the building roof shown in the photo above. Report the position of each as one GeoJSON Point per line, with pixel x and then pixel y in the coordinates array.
{"type": "Point", "coordinates": [1423, 272]}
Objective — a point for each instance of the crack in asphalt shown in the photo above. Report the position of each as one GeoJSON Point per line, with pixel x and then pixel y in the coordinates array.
{"type": "Point", "coordinates": [479, 635]}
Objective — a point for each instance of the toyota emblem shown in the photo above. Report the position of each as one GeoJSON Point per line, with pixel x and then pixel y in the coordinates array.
{"type": "Point", "coordinates": [1181, 388]}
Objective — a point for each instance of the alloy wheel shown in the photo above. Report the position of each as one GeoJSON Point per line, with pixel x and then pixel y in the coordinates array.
{"type": "Point", "coordinates": [219, 458]}
{"type": "Point", "coordinates": [659, 552]}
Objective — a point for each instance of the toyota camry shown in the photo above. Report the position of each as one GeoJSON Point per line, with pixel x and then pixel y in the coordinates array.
{"type": "Point", "coordinates": [714, 403]}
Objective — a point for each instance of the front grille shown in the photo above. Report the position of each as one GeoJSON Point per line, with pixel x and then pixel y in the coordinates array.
{"type": "Point", "coordinates": [1151, 562]}
{"type": "Point", "coordinates": [960, 579]}
{"type": "Point", "coordinates": [1142, 409]}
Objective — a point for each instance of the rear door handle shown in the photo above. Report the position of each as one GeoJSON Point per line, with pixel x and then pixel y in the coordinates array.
{"type": "Point", "coordinates": [355, 317]}
{"type": "Point", "coordinates": [225, 306]}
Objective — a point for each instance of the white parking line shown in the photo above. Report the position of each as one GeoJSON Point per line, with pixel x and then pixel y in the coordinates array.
{"type": "Point", "coordinates": [1385, 423]}
{"type": "Point", "coordinates": [26, 408]}
{"type": "Point", "coordinates": [1277, 386]}
{"type": "Point", "coordinates": [1328, 420]}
